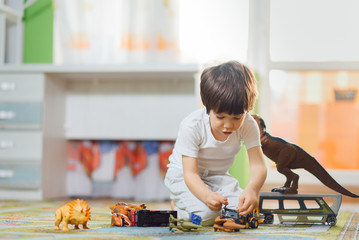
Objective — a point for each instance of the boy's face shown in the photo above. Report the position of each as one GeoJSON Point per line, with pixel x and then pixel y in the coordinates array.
{"type": "Point", "coordinates": [223, 124]}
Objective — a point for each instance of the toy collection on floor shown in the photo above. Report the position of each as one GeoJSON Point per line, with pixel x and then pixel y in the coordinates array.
{"type": "Point", "coordinates": [287, 156]}
{"type": "Point", "coordinates": [127, 215]}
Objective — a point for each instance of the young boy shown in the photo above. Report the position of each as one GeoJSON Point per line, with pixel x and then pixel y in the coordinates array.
{"type": "Point", "coordinates": [207, 143]}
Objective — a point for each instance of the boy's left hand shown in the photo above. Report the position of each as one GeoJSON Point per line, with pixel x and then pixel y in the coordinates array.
{"type": "Point", "coordinates": [248, 200]}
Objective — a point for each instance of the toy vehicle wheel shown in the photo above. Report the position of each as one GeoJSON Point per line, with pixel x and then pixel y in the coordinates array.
{"type": "Point", "coordinates": [254, 223]}
{"type": "Point", "coordinates": [331, 220]}
{"type": "Point", "coordinates": [268, 219]}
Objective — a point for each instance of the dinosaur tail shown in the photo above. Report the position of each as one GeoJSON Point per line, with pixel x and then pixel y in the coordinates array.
{"type": "Point", "coordinates": [318, 171]}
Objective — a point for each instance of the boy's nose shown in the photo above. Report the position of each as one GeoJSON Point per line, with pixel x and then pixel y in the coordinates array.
{"type": "Point", "coordinates": [228, 125]}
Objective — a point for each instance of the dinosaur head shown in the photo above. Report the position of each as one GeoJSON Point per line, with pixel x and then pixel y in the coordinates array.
{"type": "Point", "coordinates": [261, 124]}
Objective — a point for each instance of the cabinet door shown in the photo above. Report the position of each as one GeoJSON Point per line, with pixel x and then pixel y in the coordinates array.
{"type": "Point", "coordinates": [21, 87]}
{"type": "Point", "coordinates": [20, 115]}
{"type": "Point", "coordinates": [20, 145]}
{"type": "Point", "coordinates": [20, 175]}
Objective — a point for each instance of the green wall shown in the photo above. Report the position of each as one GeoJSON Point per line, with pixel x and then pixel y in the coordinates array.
{"type": "Point", "coordinates": [38, 32]}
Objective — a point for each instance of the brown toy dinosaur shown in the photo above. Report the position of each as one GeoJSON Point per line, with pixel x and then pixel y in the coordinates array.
{"type": "Point", "coordinates": [289, 156]}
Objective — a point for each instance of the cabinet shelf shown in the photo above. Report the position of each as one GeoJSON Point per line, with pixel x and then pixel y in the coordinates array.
{"type": "Point", "coordinates": [124, 102]}
{"type": "Point", "coordinates": [125, 71]}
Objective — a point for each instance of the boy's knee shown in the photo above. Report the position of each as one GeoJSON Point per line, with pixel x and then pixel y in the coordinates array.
{"type": "Point", "coordinates": [208, 217]}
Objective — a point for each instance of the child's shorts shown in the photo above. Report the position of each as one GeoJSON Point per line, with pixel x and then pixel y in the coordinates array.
{"type": "Point", "coordinates": [187, 203]}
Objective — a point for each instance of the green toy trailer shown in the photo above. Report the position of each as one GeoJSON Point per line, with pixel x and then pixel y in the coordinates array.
{"type": "Point", "coordinates": [299, 208]}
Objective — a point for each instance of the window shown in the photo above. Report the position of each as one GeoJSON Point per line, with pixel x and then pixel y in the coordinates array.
{"type": "Point", "coordinates": [323, 108]}
{"type": "Point", "coordinates": [214, 30]}
{"type": "Point", "coordinates": [321, 30]}
{"type": "Point", "coordinates": [313, 78]}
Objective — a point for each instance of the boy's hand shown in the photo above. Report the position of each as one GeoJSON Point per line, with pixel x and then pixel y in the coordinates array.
{"type": "Point", "coordinates": [247, 202]}
{"type": "Point", "coordinates": [215, 200]}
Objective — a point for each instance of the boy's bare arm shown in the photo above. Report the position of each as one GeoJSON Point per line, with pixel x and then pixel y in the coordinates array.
{"type": "Point", "coordinates": [258, 168]}
{"type": "Point", "coordinates": [250, 197]}
{"type": "Point", "coordinates": [195, 184]}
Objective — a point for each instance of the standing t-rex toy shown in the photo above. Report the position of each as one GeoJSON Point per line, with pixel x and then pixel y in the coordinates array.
{"type": "Point", "coordinates": [289, 156]}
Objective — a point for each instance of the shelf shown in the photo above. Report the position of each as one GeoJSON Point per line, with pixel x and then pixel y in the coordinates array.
{"type": "Point", "coordinates": [123, 102]}
{"type": "Point", "coordinates": [125, 71]}
{"type": "Point", "coordinates": [10, 13]}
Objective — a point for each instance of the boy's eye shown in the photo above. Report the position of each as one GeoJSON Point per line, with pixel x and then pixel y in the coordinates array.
{"type": "Point", "coordinates": [239, 117]}
{"type": "Point", "coordinates": [220, 117]}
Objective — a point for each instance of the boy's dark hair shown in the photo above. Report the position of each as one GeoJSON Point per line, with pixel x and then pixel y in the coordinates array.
{"type": "Point", "coordinates": [228, 88]}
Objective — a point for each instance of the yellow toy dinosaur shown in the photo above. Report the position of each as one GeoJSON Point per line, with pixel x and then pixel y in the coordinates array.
{"type": "Point", "coordinates": [75, 213]}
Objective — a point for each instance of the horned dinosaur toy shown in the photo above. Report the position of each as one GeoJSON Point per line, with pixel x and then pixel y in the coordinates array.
{"type": "Point", "coordinates": [75, 213]}
{"type": "Point", "coordinates": [289, 156]}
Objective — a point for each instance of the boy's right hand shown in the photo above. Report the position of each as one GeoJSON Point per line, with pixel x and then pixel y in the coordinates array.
{"type": "Point", "coordinates": [215, 200]}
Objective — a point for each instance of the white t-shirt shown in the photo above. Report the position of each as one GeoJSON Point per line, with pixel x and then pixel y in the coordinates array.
{"type": "Point", "coordinates": [195, 139]}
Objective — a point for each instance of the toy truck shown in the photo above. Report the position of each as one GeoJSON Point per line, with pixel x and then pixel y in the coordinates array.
{"type": "Point", "coordinates": [251, 220]}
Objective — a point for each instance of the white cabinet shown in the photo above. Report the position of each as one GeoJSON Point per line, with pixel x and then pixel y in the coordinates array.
{"type": "Point", "coordinates": [25, 139]}
{"type": "Point", "coordinates": [43, 106]}
{"type": "Point", "coordinates": [20, 134]}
